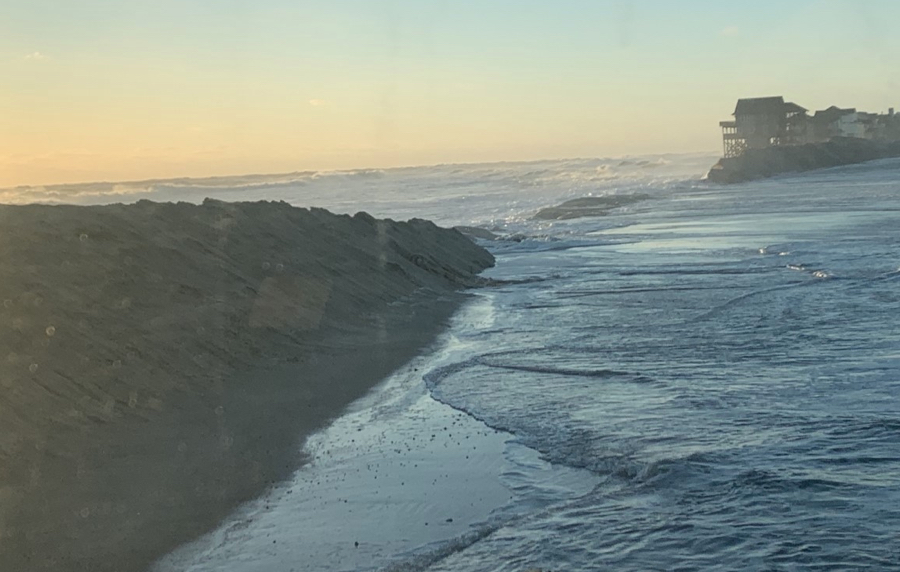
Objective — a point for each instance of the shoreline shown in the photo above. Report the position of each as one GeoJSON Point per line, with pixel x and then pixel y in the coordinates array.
{"type": "Point", "coordinates": [181, 481]}
{"type": "Point", "coordinates": [193, 423]}
{"type": "Point", "coordinates": [756, 164]}
{"type": "Point", "coordinates": [399, 481]}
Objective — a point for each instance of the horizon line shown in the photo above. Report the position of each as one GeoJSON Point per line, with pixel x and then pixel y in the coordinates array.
{"type": "Point", "coordinates": [152, 180]}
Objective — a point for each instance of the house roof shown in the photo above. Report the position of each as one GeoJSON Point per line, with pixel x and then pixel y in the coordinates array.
{"type": "Point", "coordinates": [833, 113]}
{"type": "Point", "coordinates": [760, 106]}
{"type": "Point", "coordinates": [791, 107]}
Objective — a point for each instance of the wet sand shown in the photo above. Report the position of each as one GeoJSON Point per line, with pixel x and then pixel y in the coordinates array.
{"type": "Point", "coordinates": [398, 482]}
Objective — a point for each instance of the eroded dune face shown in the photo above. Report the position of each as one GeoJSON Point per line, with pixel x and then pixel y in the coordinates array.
{"type": "Point", "coordinates": [125, 331]}
{"type": "Point", "coordinates": [771, 161]}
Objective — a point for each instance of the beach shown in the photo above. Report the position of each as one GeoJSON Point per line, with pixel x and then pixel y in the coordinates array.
{"type": "Point", "coordinates": [399, 481]}
{"type": "Point", "coordinates": [658, 372]}
{"type": "Point", "coordinates": [158, 356]}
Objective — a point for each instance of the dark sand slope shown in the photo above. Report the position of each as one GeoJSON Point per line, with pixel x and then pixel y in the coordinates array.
{"type": "Point", "coordinates": [158, 362]}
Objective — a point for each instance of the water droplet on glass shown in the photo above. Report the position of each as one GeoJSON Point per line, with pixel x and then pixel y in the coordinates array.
{"type": "Point", "coordinates": [33, 367]}
{"type": "Point", "coordinates": [7, 303]}
{"type": "Point", "coordinates": [83, 237]}
{"type": "Point", "coordinates": [50, 331]}
{"type": "Point", "coordinates": [279, 267]}
{"type": "Point", "coordinates": [266, 265]}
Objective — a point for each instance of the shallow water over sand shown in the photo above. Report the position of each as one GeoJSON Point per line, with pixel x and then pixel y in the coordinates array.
{"type": "Point", "coordinates": [727, 365]}
{"type": "Point", "coordinates": [719, 366]}
{"type": "Point", "coordinates": [400, 479]}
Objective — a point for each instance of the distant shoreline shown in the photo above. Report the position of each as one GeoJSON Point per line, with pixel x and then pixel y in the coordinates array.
{"type": "Point", "coordinates": [763, 163]}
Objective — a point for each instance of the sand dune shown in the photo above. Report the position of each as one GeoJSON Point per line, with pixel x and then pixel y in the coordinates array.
{"type": "Point", "coordinates": [159, 362]}
{"type": "Point", "coordinates": [771, 161]}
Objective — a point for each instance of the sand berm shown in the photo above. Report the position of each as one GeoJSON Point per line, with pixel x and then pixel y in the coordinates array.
{"type": "Point", "coordinates": [161, 363]}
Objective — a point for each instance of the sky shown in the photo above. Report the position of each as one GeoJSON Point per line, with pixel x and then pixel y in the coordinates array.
{"type": "Point", "coordinates": [135, 89]}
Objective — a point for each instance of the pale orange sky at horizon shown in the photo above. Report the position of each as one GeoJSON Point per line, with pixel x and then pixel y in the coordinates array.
{"type": "Point", "coordinates": [173, 89]}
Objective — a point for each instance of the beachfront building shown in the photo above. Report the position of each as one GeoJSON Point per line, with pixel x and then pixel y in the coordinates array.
{"type": "Point", "coordinates": [838, 122]}
{"type": "Point", "coordinates": [888, 126]}
{"type": "Point", "coordinates": [880, 126]}
{"type": "Point", "coordinates": [761, 122]}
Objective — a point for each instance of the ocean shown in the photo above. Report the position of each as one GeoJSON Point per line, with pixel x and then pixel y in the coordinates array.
{"type": "Point", "coordinates": [697, 377]}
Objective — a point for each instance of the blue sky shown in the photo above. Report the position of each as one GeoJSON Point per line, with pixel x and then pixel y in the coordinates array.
{"type": "Point", "coordinates": [102, 89]}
